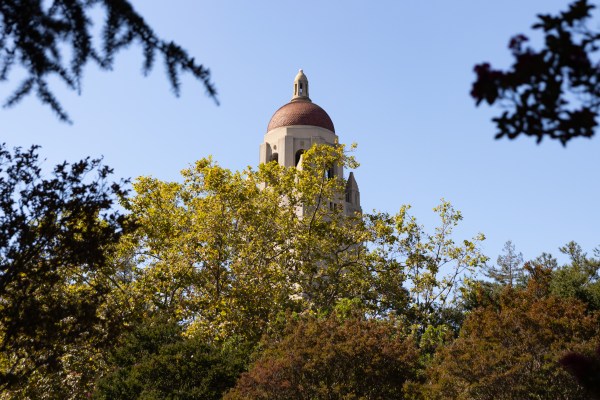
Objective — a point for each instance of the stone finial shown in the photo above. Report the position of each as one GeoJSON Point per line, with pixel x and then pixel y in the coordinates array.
{"type": "Point", "coordinates": [300, 87]}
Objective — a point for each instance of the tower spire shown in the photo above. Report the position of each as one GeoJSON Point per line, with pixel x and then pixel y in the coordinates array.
{"type": "Point", "coordinates": [301, 87]}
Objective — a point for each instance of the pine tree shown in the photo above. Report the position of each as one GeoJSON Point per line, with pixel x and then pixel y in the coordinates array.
{"type": "Point", "coordinates": [509, 268]}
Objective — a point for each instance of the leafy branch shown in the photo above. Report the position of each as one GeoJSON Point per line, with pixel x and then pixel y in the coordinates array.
{"type": "Point", "coordinates": [37, 34]}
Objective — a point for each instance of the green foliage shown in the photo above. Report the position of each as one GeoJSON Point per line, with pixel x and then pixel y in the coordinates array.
{"type": "Point", "coordinates": [56, 276]}
{"type": "Point", "coordinates": [157, 362]}
{"type": "Point", "coordinates": [175, 307]}
{"type": "Point", "coordinates": [37, 35]}
{"type": "Point", "coordinates": [332, 359]}
{"type": "Point", "coordinates": [431, 264]}
{"type": "Point", "coordinates": [478, 293]}
{"type": "Point", "coordinates": [226, 252]}
{"type": "Point", "coordinates": [579, 279]}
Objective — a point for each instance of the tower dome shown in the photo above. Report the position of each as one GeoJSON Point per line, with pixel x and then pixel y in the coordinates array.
{"type": "Point", "coordinates": [300, 110]}
{"type": "Point", "coordinates": [300, 113]}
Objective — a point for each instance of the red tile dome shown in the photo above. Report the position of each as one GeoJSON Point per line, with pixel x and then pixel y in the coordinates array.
{"type": "Point", "coordinates": [300, 112]}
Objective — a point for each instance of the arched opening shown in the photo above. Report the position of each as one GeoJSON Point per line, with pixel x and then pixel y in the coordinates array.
{"type": "Point", "coordinates": [298, 155]}
{"type": "Point", "coordinates": [275, 157]}
{"type": "Point", "coordinates": [330, 172]}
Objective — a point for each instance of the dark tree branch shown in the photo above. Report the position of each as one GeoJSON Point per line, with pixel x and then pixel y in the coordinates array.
{"type": "Point", "coordinates": [553, 92]}
{"type": "Point", "coordinates": [35, 33]}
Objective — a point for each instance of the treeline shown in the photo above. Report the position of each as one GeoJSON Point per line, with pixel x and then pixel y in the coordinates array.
{"type": "Point", "coordinates": [215, 287]}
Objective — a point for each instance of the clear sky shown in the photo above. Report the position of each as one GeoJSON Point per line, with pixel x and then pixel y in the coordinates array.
{"type": "Point", "coordinates": [393, 75]}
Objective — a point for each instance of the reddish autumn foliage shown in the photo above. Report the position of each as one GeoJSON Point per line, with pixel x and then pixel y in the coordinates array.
{"type": "Point", "coordinates": [332, 359]}
{"type": "Point", "coordinates": [510, 349]}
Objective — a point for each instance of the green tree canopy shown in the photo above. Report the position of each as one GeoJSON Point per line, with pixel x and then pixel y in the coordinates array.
{"type": "Point", "coordinates": [579, 278]}
{"type": "Point", "coordinates": [227, 252]}
{"type": "Point", "coordinates": [220, 259]}
{"type": "Point", "coordinates": [56, 237]}
{"type": "Point", "coordinates": [156, 361]}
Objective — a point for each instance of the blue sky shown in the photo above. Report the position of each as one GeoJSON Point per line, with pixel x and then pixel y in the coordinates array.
{"type": "Point", "coordinates": [393, 75]}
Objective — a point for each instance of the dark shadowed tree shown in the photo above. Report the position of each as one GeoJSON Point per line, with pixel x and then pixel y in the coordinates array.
{"type": "Point", "coordinates": [156, 361]}
{"type": "Point", "coordinates": [553, 92]}
{"type": "Point", "coordinates": [53, 39]}
{"type": "Point", "coordinates": [586, 369]}
{"type": "Point", "coordinates": [56, 234]}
